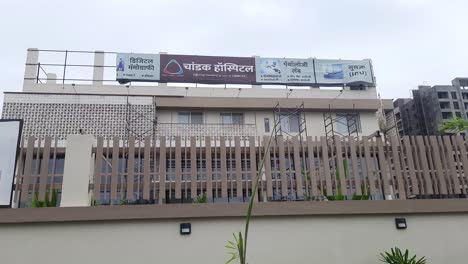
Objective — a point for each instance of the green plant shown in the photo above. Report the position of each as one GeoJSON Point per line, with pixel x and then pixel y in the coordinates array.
{"type": "Point", "coordinates": [202, 198]}
{"type": "Point", "coordinates": [339, 196]}
{"type": "Point", "coordinates": [455, 125]}
{"type": "Point", "coordinates": [48, 201]}
{"type": "Point", "coordinates": [365, 193]}
{"type": "Point", "coordinates": [238, 247]}
{"type": "Point", "coordinates": [123, 202]}
{"type": "Point", "coordinates": [94, 202]}
{"type": "Point", "coordinates": [395, 256]}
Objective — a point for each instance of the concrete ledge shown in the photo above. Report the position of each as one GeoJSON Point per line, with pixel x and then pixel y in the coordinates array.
{"type": "Point", "coordinates": [180, 211]}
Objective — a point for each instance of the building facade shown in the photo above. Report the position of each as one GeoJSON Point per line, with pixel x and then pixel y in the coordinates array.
{"type": "Point", "coordinates": [145, 154]}
{"type": "Point", "coordinates": [430, 107]}
{"type": "Point", "coordinates": [52, 106]}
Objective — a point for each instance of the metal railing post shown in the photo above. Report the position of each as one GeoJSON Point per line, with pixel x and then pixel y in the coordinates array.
{"type": "Point", "coordinates": [38, 69]}
{"type": "Point", "coordinates": [64, 67]}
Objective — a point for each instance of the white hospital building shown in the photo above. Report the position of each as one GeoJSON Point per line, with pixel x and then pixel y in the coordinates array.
{"type": "Point", "coordinates": [68, 97]}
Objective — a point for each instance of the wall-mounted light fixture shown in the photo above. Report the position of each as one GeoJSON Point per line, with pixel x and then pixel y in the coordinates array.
{"type": "Point", "coordinates": [185, 228]}
{"type": "Point", "coordinates": [400, 223]}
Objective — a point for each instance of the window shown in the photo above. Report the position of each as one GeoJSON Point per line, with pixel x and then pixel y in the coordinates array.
{"type": "Point", "coordinates": [458, 114]}
{"type": "Point", "coordinates": [191, 118]}
{"type": "Point", "coordinates": [444, 105]}
{"type": "Point", "coordinates": [454, 95]}
{"type": "Point", "coordinates": [289, 123]}
{"type": "Point", "coordinates": [447, 115]}
{"type": "Point", "coordinates": [266, 122]}
{"type": "Point", "coordinates": [347, 123]}
{"type": "Point", "coordinates": [232, 118]}
{"type": "Point", "coordinates": [456, 105]}
{"type": "Point", "coordinates": [465, 96]}
{"type": "Point", "coordinates": [442, 95]}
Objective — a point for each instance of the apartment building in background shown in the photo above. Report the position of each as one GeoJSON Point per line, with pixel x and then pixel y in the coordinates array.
{"type": "Point", "coordinates": [430, 107]}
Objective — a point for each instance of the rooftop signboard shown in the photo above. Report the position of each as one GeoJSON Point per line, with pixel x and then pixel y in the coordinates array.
{"type": "Point", "coordinates": [207, 69]}
{"type": "Point", "coordinates": [241, 70]}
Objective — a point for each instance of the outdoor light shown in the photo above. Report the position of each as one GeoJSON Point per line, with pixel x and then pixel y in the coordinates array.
{"type": "Point", "coordinates": [400, 223]}
{"type": "Point", "coordinates": [185, 228]}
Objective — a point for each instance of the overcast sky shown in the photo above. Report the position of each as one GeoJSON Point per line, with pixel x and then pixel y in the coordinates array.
{"type": "Point", "coordinates": [410, 42]}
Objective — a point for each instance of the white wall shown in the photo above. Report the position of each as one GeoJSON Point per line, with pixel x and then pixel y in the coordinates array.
{"type": "Point", "coordinates": [326, 239]}
{"type": "Point", "coordinates": [200, 91]}
{"type": "Point", "coordinates": [314, 120]}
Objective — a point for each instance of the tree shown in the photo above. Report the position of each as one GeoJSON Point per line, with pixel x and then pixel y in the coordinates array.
{"type": "Point", "coordinates": [455, 125]}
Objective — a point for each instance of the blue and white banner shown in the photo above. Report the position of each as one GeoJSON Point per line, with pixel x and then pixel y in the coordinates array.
{"type": "Point", "coordinates": [285, 71]}
{"type": "Point", "coordinates": [343, 71]}
{"type": "Point", "coordinates": [137, 67]}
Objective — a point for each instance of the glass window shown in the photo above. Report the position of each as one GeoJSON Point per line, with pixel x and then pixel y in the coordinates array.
{"type": "Point", "coordinates": [289, 123]}
{"type": "Point", "coordinates": [190, 118]}
{"type": "Point", "coordinates": [266, 121]}
{"type": "Point", "coordinates": [442, 95]}
{"type": "Point", "coordinates": [447, 115]}
{"type": "Point", "coordinates": [232, 118]}
{"type": "Point", "coordinates": [196, 118]}
{"type": "Point", "coordinates": [347, 123]}
{"type": "Point", "coordinates": [184, 118]}
{"type": "Point", "coordinates": [458, 114]}
{"type": "Point", "coordinates": [226, 119]}
{"type": "Point", "coordinates": [455, 105]}
{"type": "Point", "coordinates": [237, 118]}
{"type": "Point", "coordinates": [59, 163]}
{"type": "Point", "coordinates": [444, 105]}
{"type": "Point", "coordinates": [454, 95]}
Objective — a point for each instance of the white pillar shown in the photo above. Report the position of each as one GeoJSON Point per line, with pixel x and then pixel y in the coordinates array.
{"type": "Point", "coordinates": [98, 72]}
{"type": "Point", "coordinates": [30, 71]}
{"type": "Point", "coordinates": [78, 170]}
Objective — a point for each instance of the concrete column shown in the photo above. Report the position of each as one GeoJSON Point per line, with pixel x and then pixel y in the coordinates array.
{"type": "Point", "coordinates": [98, 72]}
{"type": "Point", "coordinates": [30, 71]}
{"type": "Point", "coordinates": [78, 170]}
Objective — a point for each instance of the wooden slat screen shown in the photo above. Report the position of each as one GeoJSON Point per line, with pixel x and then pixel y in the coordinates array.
{"type": "Point", "coordinates": [178, 170]}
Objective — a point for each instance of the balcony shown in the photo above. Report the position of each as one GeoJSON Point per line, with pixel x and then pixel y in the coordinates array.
{"type": "Point", "coordinates": [186, 130]}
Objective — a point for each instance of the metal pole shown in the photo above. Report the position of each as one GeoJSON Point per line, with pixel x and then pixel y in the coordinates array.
{"type": "Point", "coordinates": [37, 75]}
{"type": "Point", "coordinates": [64, 67]}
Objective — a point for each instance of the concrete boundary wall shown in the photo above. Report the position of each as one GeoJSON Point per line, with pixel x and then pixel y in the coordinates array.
{"type": "Point", "coordinates": [305, 238]}
{"type": "Point", "coordinates": [236, 210]}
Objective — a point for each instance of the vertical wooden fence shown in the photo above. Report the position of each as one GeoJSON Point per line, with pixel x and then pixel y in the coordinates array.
{"type": "Point", "coordinates": [181, 169]}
